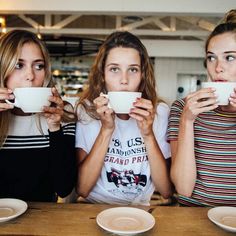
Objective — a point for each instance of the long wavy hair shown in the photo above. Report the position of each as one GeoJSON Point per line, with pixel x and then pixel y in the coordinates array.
{"type": "Point", "coordinates": [227, 25]}
{"type": "Point", "coordinates": [10, 50]}
{"type": "Point", "coordinates": [96, 84]}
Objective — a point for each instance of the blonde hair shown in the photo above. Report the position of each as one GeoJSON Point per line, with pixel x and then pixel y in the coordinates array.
{"type": "Point", "coordinates": [97, 79]}
{"type": "Point", "coordinates": [10, 50]}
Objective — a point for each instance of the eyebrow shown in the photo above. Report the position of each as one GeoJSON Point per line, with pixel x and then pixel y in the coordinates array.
{"type": "Point", "coordinates": [230, 52]}
{"type": "Point", "coordinates": [224, 52]}
{"type": "Point", "coordinates": [111, 64]}
{"type": "Point", "coordinates": [37, 60]}
{"type": "Point", "coordinates": [135, 65]}
{"type": "Point", "coordinates": [116, 64]}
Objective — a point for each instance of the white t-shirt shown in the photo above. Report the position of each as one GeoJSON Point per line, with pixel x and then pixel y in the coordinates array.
{"type": "Point", "coordinates": [125, 177]}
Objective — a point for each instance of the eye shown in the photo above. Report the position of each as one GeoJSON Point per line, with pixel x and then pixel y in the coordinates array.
{"type": "Point", "coordinates": [210, 58]}
{"type": "Point", "coordinates": [230, 58]}
{"type": "Point", "coordinates": [40, 66]}
{"type": "Point", "coordinates": [19, 65]}
{"type": "Point", "coordinates": [114, 69]}
{"type": "Point", "coordinates": [134, 69]}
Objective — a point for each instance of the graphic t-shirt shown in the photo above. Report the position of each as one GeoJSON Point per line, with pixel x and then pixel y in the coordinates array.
{"type": "Point", "coordinates": [125, 177]}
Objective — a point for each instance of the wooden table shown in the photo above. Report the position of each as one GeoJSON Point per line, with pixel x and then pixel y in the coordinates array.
{"type": "Point", "coordinates": [80, 219]}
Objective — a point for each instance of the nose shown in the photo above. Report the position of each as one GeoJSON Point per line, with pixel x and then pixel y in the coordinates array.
{"type": "Point", "coordinates": [219, 67]}
{"type": "Point", "coordinates": [29, 74]}
{"type": "Point", "coordinates": [124, 78]}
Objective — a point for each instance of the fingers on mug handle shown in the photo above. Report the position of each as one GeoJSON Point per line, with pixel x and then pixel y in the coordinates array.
{"type": "Point", "coordinates": [103, 94]}
{"type": "Point", "coordinates": [11, 103]}
{"type": "Point", "coordinates": [55, 92]}
{"type": "Point", "coordinates": [106, 96]}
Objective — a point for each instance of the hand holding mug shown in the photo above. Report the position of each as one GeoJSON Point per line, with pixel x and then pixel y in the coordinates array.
{"type": "Point", "coordinates": [144, 113]}
{"type": "Point", "coordinates": [200, 101]}
{"type": "Point", "coordinates": [105, 113]}
{"type": "Point", "coordinates": [54, 112]}
{"type": "Point", "coordinates": [5, 93]}
{"type": "Point", "coordinates": [232, 98]}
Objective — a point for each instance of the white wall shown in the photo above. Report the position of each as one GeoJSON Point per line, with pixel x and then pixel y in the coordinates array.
{"type": "Point", "coordinates": [166, 70]}
{"type": "Point", "coordinates": [175, 48]}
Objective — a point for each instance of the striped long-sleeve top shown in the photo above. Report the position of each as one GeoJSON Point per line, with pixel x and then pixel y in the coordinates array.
{"type": "Point", "coordinates": [215, 154]}
{"type": "Point", "coordinates": [37, 166]}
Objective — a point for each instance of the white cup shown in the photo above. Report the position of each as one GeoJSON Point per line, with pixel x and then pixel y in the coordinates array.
{"type": "Point", "coordinates": [31, 99]}
{"type": "Point", "coordinates": [223, 90]}
{"type": "Point", "coordinates": [122, 101]}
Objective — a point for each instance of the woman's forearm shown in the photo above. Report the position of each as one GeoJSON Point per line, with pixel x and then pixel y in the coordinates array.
{"type": "Point", "coordinates": [90, 168]}
{"type": "Point", "coordinates": [183, 169]}
{"type": "Point", "coordinates": [158, 168]}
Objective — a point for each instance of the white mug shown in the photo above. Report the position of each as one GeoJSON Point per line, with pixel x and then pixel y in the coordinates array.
{"type": "Point", "coordinates": [223, 90]}
{"type": "Point", "coordinates": [122, 101]}
{"type": "Point", "coordinates": [31, 99]}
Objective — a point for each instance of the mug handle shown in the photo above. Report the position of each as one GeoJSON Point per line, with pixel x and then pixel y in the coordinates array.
{"type": "Point", "coordinates": [15, 104]}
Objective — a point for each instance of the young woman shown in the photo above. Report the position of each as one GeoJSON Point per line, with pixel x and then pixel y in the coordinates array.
{"type": "Point", "coordinates": [122, 156]}
{"type": "Point", "coordinates": [202, 134]}
{"type": "Point", "coordinates": [37, 154]}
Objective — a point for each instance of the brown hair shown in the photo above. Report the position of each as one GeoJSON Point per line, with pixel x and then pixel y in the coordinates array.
{"type": "Point", "coordinates": [227, 25]}
{"type": "Point", "coordinates": [96, 77]}
{"type": "Point", "coordinates": [230, 16]}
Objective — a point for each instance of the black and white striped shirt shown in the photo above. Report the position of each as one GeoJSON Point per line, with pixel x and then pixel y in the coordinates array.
{"type": "Point", "coordinates": [34, 165]}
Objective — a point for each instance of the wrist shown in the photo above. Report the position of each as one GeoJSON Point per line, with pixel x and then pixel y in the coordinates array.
{"type": "Point", "coordinates": [184, 119]}
{"type": "Point", "coordinates": [106, 131]}
{"type": "Point", "coordinates": [54, 127]}
{"type": "Point", "coordinates": [148, 137]}
{"type": "Point", "coordinates": [185, 124]}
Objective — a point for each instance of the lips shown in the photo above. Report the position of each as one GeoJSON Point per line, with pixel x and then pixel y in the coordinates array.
{"type": "Point", "coordinates": [220, 80]}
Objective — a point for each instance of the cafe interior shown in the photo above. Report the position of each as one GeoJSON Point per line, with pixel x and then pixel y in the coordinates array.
{"type": "Point", "coordinates": [174, 33]}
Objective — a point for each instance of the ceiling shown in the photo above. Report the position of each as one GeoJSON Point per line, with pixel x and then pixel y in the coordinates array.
{"type": "Point", "coordinates": [146, 27]}
{"type": "Point", "coordinates": [182, 20]}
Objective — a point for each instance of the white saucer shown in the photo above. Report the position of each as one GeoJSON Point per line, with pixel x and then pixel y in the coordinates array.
{"type": "Point", "coordinates": [225, 217]}
{"type": "Point", "coordinates": [125, 220]}
{"type": "Point", "coordinates": [11, 208]}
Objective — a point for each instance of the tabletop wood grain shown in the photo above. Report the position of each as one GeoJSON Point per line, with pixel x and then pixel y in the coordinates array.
{"type": "Point", "coordinates": [80, 219]}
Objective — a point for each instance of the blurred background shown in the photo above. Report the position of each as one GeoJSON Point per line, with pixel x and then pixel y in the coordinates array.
{"type": "Point", "coordinates": [173, 32]}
